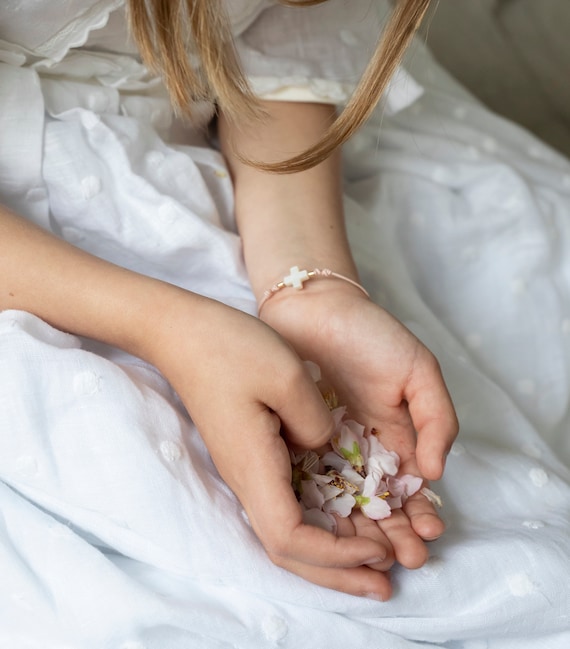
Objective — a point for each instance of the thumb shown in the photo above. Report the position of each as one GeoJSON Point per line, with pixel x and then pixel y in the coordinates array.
{"type": "Point", "coordinates": [305, 417]}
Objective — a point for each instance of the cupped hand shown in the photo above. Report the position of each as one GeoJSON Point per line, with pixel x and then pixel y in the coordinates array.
{"type": "Point", "coordinates": [390, 381]}
{"type": "Point", "coordinates": [244, 386]}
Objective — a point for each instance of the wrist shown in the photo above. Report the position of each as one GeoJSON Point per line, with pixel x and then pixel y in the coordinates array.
{"type": "Point", "coordinates": [299, 279]}
{"type": "Point", "coordinates": [316, 306]}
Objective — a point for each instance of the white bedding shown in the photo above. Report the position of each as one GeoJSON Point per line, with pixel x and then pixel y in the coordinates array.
{"type": "Point", "coordinates": [115, 530]}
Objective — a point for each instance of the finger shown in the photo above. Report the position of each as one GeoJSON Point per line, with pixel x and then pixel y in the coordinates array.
{"type": "Point", "coordinates": [422, 514]}
{"type": "Point", "coordinates": [295, 398]}
{"type": "Point", "coordinates": [409, 549]}
{"type": "Point", "coordinates": [344, 526]}
{"type": "Point", "coordinates": [360, 581]}
{"type": "Point", "coordinates": [423, 517]}
{"type": "Point", "coordinates": [314, 546]}
{"type": "Point", "coordinates": [433, 415]}
{"type": "Point", "coordinates": [366, 527]}
{"type": "Point", "coordinates": [265, 492]}
{"type": "Point", "coordinates": [359, 525]}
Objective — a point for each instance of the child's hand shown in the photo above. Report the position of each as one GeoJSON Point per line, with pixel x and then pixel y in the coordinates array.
{"type": "Point", "coordinates": [244, 385]}
{"type": "Point", "coordinates": [388, 380]}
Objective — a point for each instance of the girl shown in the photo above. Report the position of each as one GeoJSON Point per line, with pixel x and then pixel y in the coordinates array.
{"type": "Point", "coordinates": [240, 378]}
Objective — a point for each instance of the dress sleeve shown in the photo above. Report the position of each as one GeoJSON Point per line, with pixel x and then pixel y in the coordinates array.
{"type": "Point", "coordinates": [318, 53]}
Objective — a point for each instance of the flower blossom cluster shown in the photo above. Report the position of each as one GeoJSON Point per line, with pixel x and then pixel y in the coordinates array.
{"type": "Point", "coordinates": [357, 472]}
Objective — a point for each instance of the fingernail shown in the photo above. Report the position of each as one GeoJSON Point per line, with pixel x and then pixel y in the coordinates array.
{"type": "Point", "coordinates": [374, 560]}
{"type": "Point", "coordinates": [374, 596]}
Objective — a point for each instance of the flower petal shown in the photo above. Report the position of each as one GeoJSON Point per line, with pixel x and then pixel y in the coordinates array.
{"type": "Point", "coordinates": [338, 415]}
{"type": "Point", "coordinates": [318, 518]}
{"type": "Point", "coordinates": [384, 463]}
{"type": "Point", "coordinates": [314, 370]}
{"type": "Point", "coordinates": [349, 443]}
{"type": "Point", "coordinates": [311, 496]}
{"type": "Point", "coordinates": [329, 492]}
{"type": "Point", "coordinates": [376, 508]}
{"type": "Point", "coordinates": [371, 485]}
{"type": "Point", "coordinates": [412, 483]}
{"type": "Point", "coordinates": [432, 497]}
{"type": "Point", "coordinates": [342, 505]}
{"type": "Point", "coordinates": [335, 461]}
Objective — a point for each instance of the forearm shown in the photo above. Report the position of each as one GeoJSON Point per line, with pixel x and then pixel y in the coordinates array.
{"type": "Point", "coordinates": [294, 219]}
{"type": "Point", "coordinates": [75, 291]}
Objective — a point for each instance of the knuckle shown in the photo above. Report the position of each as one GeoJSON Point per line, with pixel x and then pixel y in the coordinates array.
{"type": "Point", "coordinates": [293, 374]}
{"type": "Point", "coordinates": [276, 560]}
{"type": "Point", "coordinates": [277, 548]}
{"type": "Point", "coordinates": [277, 553]}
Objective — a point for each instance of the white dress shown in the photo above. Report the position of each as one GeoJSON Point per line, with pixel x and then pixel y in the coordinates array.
{"type": "Point", "coordinates": [92, 114]}
{"type": "Point", "coordinates": [115, 529]}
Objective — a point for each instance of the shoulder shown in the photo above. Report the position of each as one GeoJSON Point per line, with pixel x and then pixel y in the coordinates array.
{"type": "Point", "coordinates": [242, 13]}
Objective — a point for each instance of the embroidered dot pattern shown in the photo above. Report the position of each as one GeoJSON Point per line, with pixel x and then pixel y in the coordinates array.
{"type": "Point", "coordinates": [86, 383]}
{"type": "Point", "coordinates": [439, 175]}
{"type": "Point", "coordinates": [533, 525]}
{"type": "Point", "coordinates": [538, 477]}
{"type": "Point", "coordinates": [520, 584]}
{"type": "Point", "coordinates": [274, 628]}
{"type": "Point", "coordinates": [170, 451]}
{"type": "Point", "coordinates": [98, 102]}
{"type": "Point", "coordinates": [433, 567]}
{"type": "Point", "coordinates": [532, 450]}
{"type": "Point", "coordinates": [90, 121]}
{"type": "Point", "coordinates": [535, 151]}
{"type": "Point", "coordinates": [154, 159]}
{"type": "Point", "coordinates": [348, 37]}
{"type": "Point", "coordinates": [90, 186]}
{"type": "Point", "coordinates": [460, 112]}
{"type": "Point", "coordinates": [168, 212]}
{"type": "Point", "coordinates": [36, 194]}
{"type": "Point", "coordinates": [489, 144]}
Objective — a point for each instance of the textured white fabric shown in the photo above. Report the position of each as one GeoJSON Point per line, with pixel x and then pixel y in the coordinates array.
{"type": "Point", "coordinates": [318, 53]}
{"type": "Point", "coordinates": [115, 530]}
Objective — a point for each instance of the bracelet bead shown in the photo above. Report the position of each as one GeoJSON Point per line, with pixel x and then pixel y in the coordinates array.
{"type": "Point", "coordinates": [297, 278]}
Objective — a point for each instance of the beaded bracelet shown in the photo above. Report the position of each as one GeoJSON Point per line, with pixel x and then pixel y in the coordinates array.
{"type": "Point", "coordinates": [297, 277]}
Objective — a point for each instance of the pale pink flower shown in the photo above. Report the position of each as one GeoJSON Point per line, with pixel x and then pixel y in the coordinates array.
{"type": "Point", "coordinates": [402, 488]}
{"type": "Point", "coordinates": [380, 460]}
{"type": "Point", "coordinates": [372, 504]}
{"type": "Point", "coordinates": [349, 442]}
{"type": "Point", "coordinates": [358, 473]}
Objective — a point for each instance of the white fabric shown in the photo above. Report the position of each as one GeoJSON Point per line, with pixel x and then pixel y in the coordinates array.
{"type": "Point", "coordinates": [115, 530]}
{"type": "Point", "coordinates": [318, 53]}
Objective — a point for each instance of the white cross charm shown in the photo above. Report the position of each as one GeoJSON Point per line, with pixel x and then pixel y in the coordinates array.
{"type": "Point", "coordinates": [296, 278]}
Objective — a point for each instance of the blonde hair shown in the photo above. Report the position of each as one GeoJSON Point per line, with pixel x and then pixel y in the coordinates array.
{"type": "Point", "coordinates": [171, 33]}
